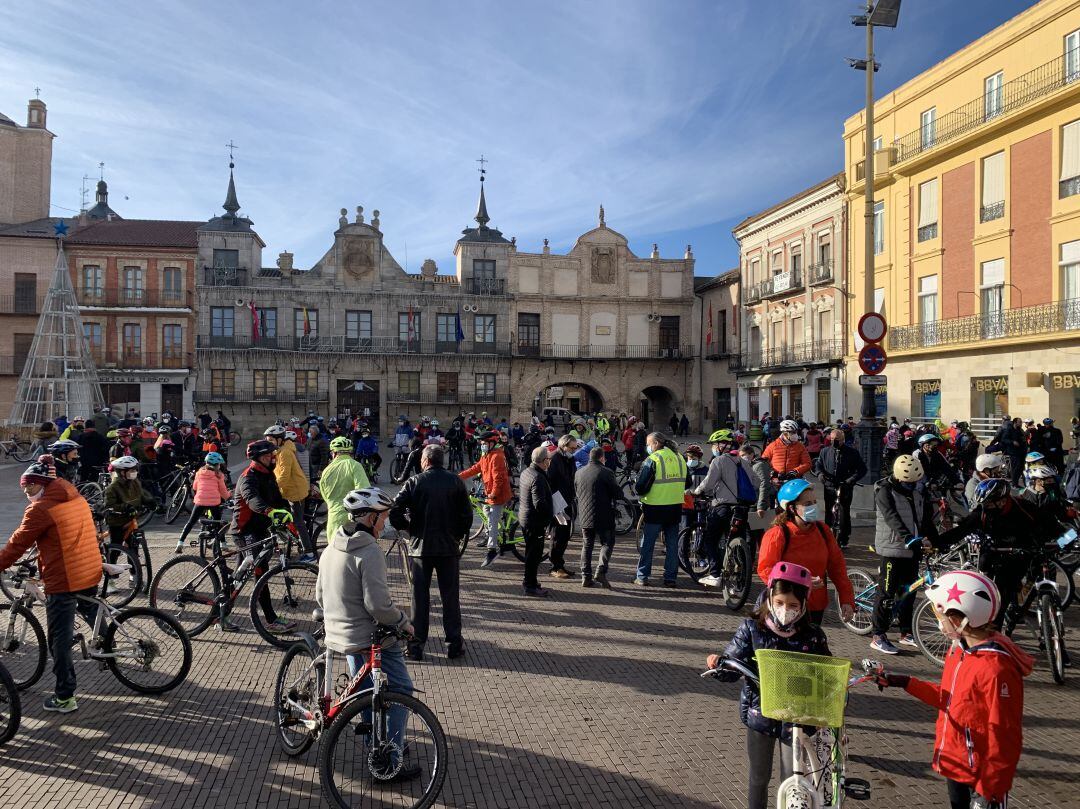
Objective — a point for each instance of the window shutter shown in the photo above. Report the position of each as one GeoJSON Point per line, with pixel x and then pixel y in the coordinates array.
{"type": "Point", "coordinates": [1070, 253]}
{"type": "Point", "coordinates": [993, 179]}
{"type": "Point", "coordinates": [1070, 150]}
{"type": "Point", "coordinates": [928, 214]}
{"type": "Point", "coordinates": [993, 272]}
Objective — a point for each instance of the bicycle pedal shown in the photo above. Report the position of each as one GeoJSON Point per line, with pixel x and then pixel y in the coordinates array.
{"type": "Point", "coordinates": [362, 728]}
{"type": "Point", "coordinates": [858, 789]}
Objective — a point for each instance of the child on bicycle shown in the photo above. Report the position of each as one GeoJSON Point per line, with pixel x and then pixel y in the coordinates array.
{"type": "Point", "coordinates": [124, 497]}
{"type": "Point", "coordinates": [209, 492]}
{"type": "Point", "coordinates": [980, 700]}
{"type": "Point", "coordinates": [781, 622]}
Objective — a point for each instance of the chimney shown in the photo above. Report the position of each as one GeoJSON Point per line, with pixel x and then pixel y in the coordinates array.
{"type": "Point", "coordinates": [35, 114]}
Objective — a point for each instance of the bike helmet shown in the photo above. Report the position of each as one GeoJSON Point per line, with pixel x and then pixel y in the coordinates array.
{"type": "Point", "coordinates": [968, 592]}
{"type": "Point", "coordinates": [789, 426]}
{"type": "Point", "coordinates": [274, 431]}
{"type": "Point", "coordinates": [183, 424]}
{"type": "Point", "coordinates": [789, 571]}
{"type": "Point", "coordinates": [987, 461]}
{"type": "Point", "coordinates": [722, 437]}
{"type": "Point", "coordinates": [341, 444]}
{"type": "Point", "coordinates": [290, 435]}
{"type": "Point", "coordinates": [123, 432]}
{"type": "Point", "coordinates": [693, 449]}
{"type": "Point", "coordinates": [989, 491]}
{"type": "Point", "coordinates": [362, 501]}
{"type": "Point", "coordinates": [928, 437]}
{"type": "Point", "coordinates": [148, 422]}
{"type": "Point", "coordinates": [215, 458]}
{"type": "Point", "coordinates": [258, 448]}
{"type": "Point", "coordinates": [1041, 472]}
{"type": "Point", "coordinates": [434, 422]}
{"type": "Point", "coordinates": [1048, 421]}
{"type": "Point", "coordinates": [908, 469]}
{"type": "Point", "coordinates": [62, 447]}
{"type": "Point", "coordinates": [124, 463]}
{"type": "Point", "coordinates": [166, 442]}
{"type": "Point", "coordinates": [790, 491]}
{"type": "Point", "coordinates": [488, 435]}
{"type": "Point", "coordinates": [1033, 457]}
{"type": "Point", "coordinates": [435, 440]}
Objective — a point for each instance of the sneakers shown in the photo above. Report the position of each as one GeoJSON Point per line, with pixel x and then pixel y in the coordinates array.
{"type": "Point", "coordinates": [179, 547]}
{"type": "Point", "coordinates": [710, 581]}
{"type": "Point", "coordinates": [280, 626]}
{"type": "Point", "coordinates": [586, 582]}
{"type": "Point", "coordinates": [640, 582]}
{"type": "Point", "coordinates": [307, 557]}
{"type": "Point", "coordinates": [56, 705]}
{"type": "Point", "coordinates": [908, 640]}
{"type": "Point", "coordinates": [882, 644]}
{"type": "Point", "coordinates": [227, 625]}
{"type": "Point", "coordinates": [560, 574]}
{"type": "Point", "coordinates": [407, 772]}
{"type": "Point", "coordinates": [490, 558]}
{"type": "Point", "coordinates": [536, 592]}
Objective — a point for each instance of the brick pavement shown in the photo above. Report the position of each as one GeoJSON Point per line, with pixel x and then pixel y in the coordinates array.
{"type": "Point", "coordinates": [591, 698]}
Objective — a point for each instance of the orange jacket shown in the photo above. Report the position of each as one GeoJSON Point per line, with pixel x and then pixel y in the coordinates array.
{"type": "Point", "coordinates": [496, 477]}
{"type": "Point", "coordinates": [791, 457]}
{"type": "Point", "coordinates": [814, 547]}
{"type": "Point", "coordinates": [61, 525]}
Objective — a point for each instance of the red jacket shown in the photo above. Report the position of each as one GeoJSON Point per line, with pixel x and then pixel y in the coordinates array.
{"type": "Point", "coordinates": [791, 457]}
{"type": "Point", "coordinates": [628, 438]}
{"type": "Point", "coordinates": [980, 706]}
{"type": "Point", "coordinates": [496, 477]}
{"type": "Point", "coordinates": [814, 547]}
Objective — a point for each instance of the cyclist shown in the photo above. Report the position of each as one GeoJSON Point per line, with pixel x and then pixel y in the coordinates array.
{"type": "Point", "coordinates": [292, 483]}
{"type": "Point", "coordinates": [782, 621]}
{"type": "Point", "coordinates": [209, 492]}
{"type": "Point", "coordinates": [611, 456]}
{"type": "Point", "coordinates": [1044, 492]}
{"type": "Point", "coordinates": [841, 467]}
{"type": "Point", "coordinates": [65, 455]}
{"type": "Point", "coordinates": [986, 466]}
{"type": "Point", "coordinates": [124, 498]}
{"type": "Point", "coordinates": [904, 514]}
{"type": "Point", "coordinates": [403, 433]}
{"type": "Point", "coordinates": [212, 440]}
{"type": "Point", "coordinates": [59, 522]}
{"type": "Point", "coordinates": [423, 430]}
{"type": "Point", "coordinates": [730, 483]}
{"type": "Point", "coordinates": [765, 494]}
{"type": "Point", "coordinates": [73, 430]}
{"type": "Point", "coordinates": [936, 469]}
{"type": "Point", "coordinates": [367, 452]}
{"type": "Point", "coordinates": [318, 448]}
{"type": "Point", "coordinates": [980, 700]}
{"type": "Point", "coordinates": [435, 431]}
{"type": "Point", "coordinates": [342, 475]}
{"type": "Point", "coordinates": [496, 479]}
{"type": "Point", "coordinates": [695, 473]}
{"type": "Point", "coordinates": [787, 455]}
{"type": "Point", "coordinates": [122, 447]}
{"type": "Point", "coordinates": [187, 448]}
{"type": "Point", "coordinates": [455, 436]}
{"type": "Point", "coordinates": [965, 449]}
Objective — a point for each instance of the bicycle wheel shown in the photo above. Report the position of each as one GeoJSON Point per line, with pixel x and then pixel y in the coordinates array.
{"type": "Point", "coordinates": [1064, 579]}
{"type": "Point", "coordinates": [864, 587]}
{"type": "Point", "coordinates": [93, 494]}
{"type": "Point", "coordinates": [177, 504]}
{"type": "Point", "coordinates": [397, 467]}
{"type": "Point", "coordinates": [693, 558]}
{"type": "Point", "coordinates": [234, 439]}
{"type": "Point", "coordinates": [1053, 636]}
{"type": "Point", "coordinates": [10, 707]}
{"type": "Point", "coordinates": [737, 574]}
{"type": "Point", "coordinates": [356, 771]}
{"type": "Point", "coordinates": [144, 516]}
{"type": "Point", "coordinates": [479, 528]}
{"type": "Point", "coordinates": [300, 681]}
{"type": "Point", "coordinates": [289, 594]}
{"type": "Point", "coordinates": [148, 651]}
{"type": "Point", "coordinates": [7, 586]}
{"type": "Point", "coordinates": [187, 589]}
{"type": "Point", "coordinates": [21, 451]}
{"type": "Point", "coordinates": [625, 517]}
{"type": "Point", "coordinates": [931, 641]}
{"type": "Point", "coordinates": [516, 543]}
{"type": "Point", "coordinates": [119, 589]}
{"type": "Point", "coordinates": [22, 645]}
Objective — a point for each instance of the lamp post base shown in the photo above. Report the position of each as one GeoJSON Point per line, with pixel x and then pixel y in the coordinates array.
{"type": "Point", "coordinates": [868, 436]}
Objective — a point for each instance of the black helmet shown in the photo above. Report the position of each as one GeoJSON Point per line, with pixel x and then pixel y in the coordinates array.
{"type": "Point", "coordinates": [257, 448]}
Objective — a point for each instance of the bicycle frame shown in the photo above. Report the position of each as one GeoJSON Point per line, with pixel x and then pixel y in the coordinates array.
{"type": "Point", "coordinates": [329, 707]}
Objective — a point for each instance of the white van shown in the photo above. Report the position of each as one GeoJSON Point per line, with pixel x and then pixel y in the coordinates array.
{"type": "Point", "coordinates": [560, 416]}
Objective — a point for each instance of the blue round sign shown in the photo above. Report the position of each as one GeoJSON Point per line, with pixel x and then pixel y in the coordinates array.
{"type": "Point", "coordinates": [872, 359]}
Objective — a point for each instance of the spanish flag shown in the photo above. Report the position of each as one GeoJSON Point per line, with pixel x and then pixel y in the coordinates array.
{"type": "Point", "coordinates": [307, 323]}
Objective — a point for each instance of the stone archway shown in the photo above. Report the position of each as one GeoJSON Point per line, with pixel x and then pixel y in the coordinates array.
{"type": "Point", "coordinates": [655, 404]}
{"type": "Point", "coordinates": [527, 390]}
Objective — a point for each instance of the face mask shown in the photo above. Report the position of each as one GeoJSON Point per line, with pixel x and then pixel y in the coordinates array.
{"type": "Point", "coordinates": [693, 463]}
{"type": "Point", "coordinates": [716, 453]}
{"type": "Point", "coordinates": [811, 513]}
{"type": "Point", "coordinates": [33, 498]}
{"type": "Point", "coordinates": [787, 439]}
{"type": "Point", "coordinates": [649, 450]}
{"type": "Point", "coordinates": [484, 449]}
{"type": "Point", "coordinates": [132, 475]}
{"type": "Point", "coordinates": [786, 616]}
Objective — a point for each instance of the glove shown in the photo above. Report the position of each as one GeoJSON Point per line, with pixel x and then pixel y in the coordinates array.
{"type": "Point", "coordinates": [886, 680]}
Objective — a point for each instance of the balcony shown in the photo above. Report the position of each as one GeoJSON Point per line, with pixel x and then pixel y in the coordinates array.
{"type": "Point", "coordinates": [11, 365]}
{"type": "Point", "coordinates": [338, 344]}
{"type": "Point", "coordinates": [782, 283]}
{"type": "Point", "coordinates": [605, 352]}
{"type": "Point", "coordinates": [995, 210]}
{"type": "Point", "coordinates": [224, 276]}
{"type": "Point", "coordinates": [821, 352]}
{"type": "Point", "coordinates": [821, 273]}
{"type": "Point", "coordinates": [751, 293]}
{"type": "Point", "coordinates": [121, 298]}
{"type": "Point", "coordinates": [1047, 318]}
{"type": "Point", "coordinates": [21, 304]}
{"type": "Point", "coordinates": [447, 398]}
{"type": "Point", "coordinates": [1022, 91]}
{"type": "Point", "coordinates": [1069, 187]}
{"type": "Point", "coordinates": [487, 286]}
{"type": "Point", "coordinates": [272, 395]}
{"type": "Point", "coordinates": [135, 360]}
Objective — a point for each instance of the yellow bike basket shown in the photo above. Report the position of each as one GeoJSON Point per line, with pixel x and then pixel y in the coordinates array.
{"type": "Point", "coordinates": [802, 688]}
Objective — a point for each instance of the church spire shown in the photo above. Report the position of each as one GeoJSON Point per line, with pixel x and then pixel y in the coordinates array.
{"type": "Point", "coordinates": [482, 217]}
{"type": "Point", "coordinates": [231, 205]}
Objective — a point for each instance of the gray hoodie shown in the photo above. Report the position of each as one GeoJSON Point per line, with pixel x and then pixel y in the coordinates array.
{"type": "Point", "coordinates": [352, 591]}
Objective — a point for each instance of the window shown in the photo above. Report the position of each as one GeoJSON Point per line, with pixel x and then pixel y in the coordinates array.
{"type": "Point", "coordinates": [796, 331]}
{"type": "Point", "coordinates": [825, 325]}
{"type": "Point", "coordinates": [484, 328]}
{"type": "Point", "coordinates": [221, 321]}
{"type": "Point", "coordinates": [307, 383]}
{"type": "Point", "coordinates": [778, 262]}
{"type": "Point", "coordinates": [1072, 56]}
{"type": "Point", "coordinates": [928, 127]}
{"type": "Point", "coordinates": [796, 263]}
{"type": "Point", "coordinates": [170, 285]}
{"type": "Point", "coordinates": [92, 336]}
{"type": "Point", "coordinates": [172, 343]}
{"type": "Point", "coordinates": [222, 382]}
{"type": "Point", "coordinates": [265, 383]}
{"type": "Point", "coordinates": [877, 143]}
{"type": "Point", "coordinates": [928, 210]}
{"type": "Point", "coordinates": [26, 293]}
{"type": "Point", "coordinates": [993, 95]}
{"type": "Point", "coordinates": [357, 325]}
{"type": "Point", "coordinates": [132, 291]}
{"type": "Point", "coordinates": [446, 331]}
{"type": "Point", "coordinates": [132, 339]}
{"type": "Point", "coordinates": [483, 269]}
{"type": "Point", "coordinates": [21, 345]}
{"type": "Point", "coordinates": [227, 258]}
{"type": "Point", "coordinates": [1070, 283]}
{"type": "Point", "coordinates": [306, 322]}
{"type": "Point", "coordinates": [485, 387]}
{"type": "Point", "coordinates": [409, 384]}
{"type": "Point", "coordinates": [776, 336]}
{"type": "Point", "coordinates": [528, 333]}
{"type": "Point", "coordinates": [446, 386]}
{"type": "Point", "coordinates": [267, 321]}
{"type": "Point", "coordinates": [1070, 160]}
{"type": "Point", "coordinates": [879, 227]}
{"type": "Point", "coordinates": [993, 188]}
{"type": "Point", "coordinates": [93, 281]}
{"type": "Point", "coordinates": [669, 335]}
{"type": "Point", "coordinates": [408, 326]}
{"type": "Point", "coordinates": [928, 289]}
{"type": "Point", "coordinates": [755, 271]}
{"type": "Point", "coordinates": [992, 298]}
{"type": "Point", "coordinates": [825, 249]}
{"type": "Point", "coordinates": [720, 337]}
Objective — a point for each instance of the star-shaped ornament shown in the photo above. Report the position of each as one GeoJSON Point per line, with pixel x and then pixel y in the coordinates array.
{"type": "Point", "coordinates": [954, 594]}
{"type": "Point", "coordinates": [60, 228]}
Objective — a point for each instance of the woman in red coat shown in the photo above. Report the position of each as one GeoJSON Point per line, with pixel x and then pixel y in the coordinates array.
{"type": "Point", "coordinates": [980, 700]}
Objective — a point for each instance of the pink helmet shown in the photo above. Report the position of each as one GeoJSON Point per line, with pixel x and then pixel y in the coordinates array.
{"type": "Point", "coordinates": [789, 571]}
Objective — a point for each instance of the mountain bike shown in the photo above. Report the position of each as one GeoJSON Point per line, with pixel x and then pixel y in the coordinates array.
{"type": "Point", "coordinates": [510, 536]}
{"type": "Point", "coordinates": [93, 490]}
{"type": "Point", "coordinates": [370, 469]}
{"type": "Point", "coordinates": [363, 756]}
{"type": "Point", "coordinates": [145, 649]}
{"type": "Point", "coordinates": [198, 593]}
{"type": "Point", "coordinates": [16, 448]}
{"type": "Point", "coordinates": [135, 540]}
{"type": "Point", "coordinates": [808, 690]}
{"type": "Point", "coordinates": [397, 466]}
{"type": "Point", "coordinates": [736, 574]}
{"type": "Point", "coordinates": [627, 513]}
{"type": "Point", "coordinates": [456, 460]}
{"type": "Point", "coordinates": [176, 493]}
{"type": "Point", "coordinates": [10, 707]}
{"type": "Point", "coordinates": [949, 503]}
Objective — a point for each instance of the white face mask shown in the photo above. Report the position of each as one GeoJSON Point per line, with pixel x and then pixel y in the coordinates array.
{"type": "Point", "coordinates": [786, 616]}
{"type": "Point", "coordinates": [33, 498]}
{"type": "Point", "coordinates": [132, 474]}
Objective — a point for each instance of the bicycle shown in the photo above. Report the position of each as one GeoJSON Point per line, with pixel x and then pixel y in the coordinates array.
{"type": "Point", "coordinates": [355, 728]}
{"type": "Point", "coordinates": [129, 641]}
{"type": "Point", "coordinates": [736, 573]}
{"type": "Point", "coordinates": [510, 536]}
{"type": "Point", "coordinates": [949, 502]}
{"type": "Point", "coordinates": [178, 492]}
{"type": "Point", "coordinates": [370, 469]}
{"type": "Point", "coordinates": [818, 778]}
{"type": "Point", "coordinates": [397, 466]}
{"type": "Point", "coordinates": [135, 540]}
{"type": "Point", "coordinates": [16, 448]}
{"type": "Point", "coordinates": [457, 457]}
{"type": "Point", "coordinates": [10, 707]}
{"type": "Point", "coordinates": [198, 593]}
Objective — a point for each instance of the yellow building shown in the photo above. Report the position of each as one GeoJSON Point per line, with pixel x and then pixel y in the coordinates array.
{"type": "Point", "coordinates": [977, 226]}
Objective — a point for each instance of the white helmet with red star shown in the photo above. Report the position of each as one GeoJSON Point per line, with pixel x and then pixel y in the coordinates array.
{"type": "Point", "coordinates": [968, 592]}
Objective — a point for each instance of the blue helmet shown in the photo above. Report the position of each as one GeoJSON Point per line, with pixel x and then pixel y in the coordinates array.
{"type": "Point", "coordinates": [1033, 457]}
{"type": "Point", "coordinates": [928, 437]}
{"type": "Point", "coordinates": [990, 490]}
{"type": "Point", "coordinates": [791, 490]}
{"type": "Point", "coordinates": [215, 458]}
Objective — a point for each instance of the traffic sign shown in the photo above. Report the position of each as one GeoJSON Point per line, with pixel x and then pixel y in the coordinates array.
{"type": "Point", "coordinates": [872, 359]}
{"type": "Point", "coordinates": [873, 380]}
{"type": "Point", "coordinates": [872, 327]}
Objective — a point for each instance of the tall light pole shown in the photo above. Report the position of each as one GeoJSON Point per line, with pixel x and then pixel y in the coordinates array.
{"type": "Point", "coordinates": [884, 14]}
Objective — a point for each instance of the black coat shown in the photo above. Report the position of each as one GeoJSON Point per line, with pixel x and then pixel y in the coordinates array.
{"type": "Point", "coordinates": [93, 450]}
{"type": "Point", "coordinates": [256, 495]}
{"type": "Point", "coordinates": [840, 466]}
{"type": "Point", "coordinates": [535, 509]}
{"type": "Point", "coordinates": [597, 490]}
{"type": "Point", "coordinates": [561, 476]}
{"type": "Point", "coordinates": [434, 508]}
{"type": "Point", "coordinates": [318, 456]}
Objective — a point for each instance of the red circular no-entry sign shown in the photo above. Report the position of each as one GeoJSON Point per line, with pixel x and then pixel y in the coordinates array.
{"type": "Point", "coordinates": [872, 327]}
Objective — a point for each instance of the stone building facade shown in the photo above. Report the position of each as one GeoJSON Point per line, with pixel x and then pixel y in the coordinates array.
{"type": "Point", "coordinates": [718, 343]}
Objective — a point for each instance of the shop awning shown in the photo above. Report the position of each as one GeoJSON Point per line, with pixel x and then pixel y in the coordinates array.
{"type": "Point", "coordinates": [772, 380]}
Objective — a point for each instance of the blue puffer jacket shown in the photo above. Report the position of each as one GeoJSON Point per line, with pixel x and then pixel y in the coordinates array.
{"type": "Point", "coordinates": [748, 638]}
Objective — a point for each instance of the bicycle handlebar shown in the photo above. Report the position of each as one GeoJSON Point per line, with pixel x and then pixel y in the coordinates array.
{"type": "Point", "coordinates": [731, 664]}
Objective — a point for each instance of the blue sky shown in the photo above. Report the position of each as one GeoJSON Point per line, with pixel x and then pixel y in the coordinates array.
{"type": "Point", "coordinates": [681, 117]}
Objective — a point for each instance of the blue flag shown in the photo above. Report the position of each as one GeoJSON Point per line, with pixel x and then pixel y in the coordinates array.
{"type": "Point", "coordinates": [459, 335]}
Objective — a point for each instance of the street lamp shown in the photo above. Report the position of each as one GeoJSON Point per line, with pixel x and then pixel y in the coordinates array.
{"type": "Point", "coordinates": [882, 14]}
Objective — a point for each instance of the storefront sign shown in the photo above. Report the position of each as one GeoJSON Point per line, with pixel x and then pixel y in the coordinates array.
{"type": "Point", "coordinates": [1065, 381]}
{"type": "Point", "coordinates": [990, 384]}
{"type": "Point", "coordinates": [921, 386]}
{"type": "Point", "coordinates": [112, 379]}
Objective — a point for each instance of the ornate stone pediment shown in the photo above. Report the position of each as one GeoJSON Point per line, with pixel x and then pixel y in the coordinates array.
{"type": "Point", "coordinates": [357, 255]}
{"type": "Point", "coordinates": [603, 265]}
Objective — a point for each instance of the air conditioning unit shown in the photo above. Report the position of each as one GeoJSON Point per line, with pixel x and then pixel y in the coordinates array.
{"type": "Point", "coordinates": [884, 159]}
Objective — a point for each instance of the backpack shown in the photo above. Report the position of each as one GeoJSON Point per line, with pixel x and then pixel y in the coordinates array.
{"type": "Point", "coordinates": [1070, 481]}
{"type": "Point", "coordinates": [745, 487]}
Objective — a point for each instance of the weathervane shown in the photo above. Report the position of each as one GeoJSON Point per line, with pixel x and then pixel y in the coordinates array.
{"type": "Point", "coordinates": [230, 146]}
{"type": "Point", "coordinates": [483, 171]}
{"type": "Point", "coordinates": [101, 168]}
{"type": "Point", "coordinates": [37, 92]}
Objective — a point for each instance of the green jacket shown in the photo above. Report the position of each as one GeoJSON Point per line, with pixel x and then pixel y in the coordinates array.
{"type": "Point", "coordinates": [121, 494]}
{"type": "Point", "coordinates": [341, 476]}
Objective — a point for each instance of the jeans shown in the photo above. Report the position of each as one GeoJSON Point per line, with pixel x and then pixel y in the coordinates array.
{"type": "Point", "coordinates": [297, 510]}
{"type": "Point", "coordinates": [534, 552]}
{"type": "Point", "coordinates": [397, 680]}
{"type": "Point", "coordinates": [759, 750]}
{"type": "Point", "coordinates": [606, 536]}
{"type": "Point", "coordinates": [559, 540]}
{"type": "Point", "coordinates": [671, 550]}
{"type": "Point", "coordinates": [844, 493]}
{"type": "Point", "coordinates": [60, 618]}
{"type": "Point", "coordinates": [716, 530]}
{"type": "Point", "coordinates": [894, 577]}
{"type": "Point", "coordinates": [198, 513]}
{"type": "Point", "coordinates": [447, 569]}
{"type": "Point", "coordinates": [494, 515]}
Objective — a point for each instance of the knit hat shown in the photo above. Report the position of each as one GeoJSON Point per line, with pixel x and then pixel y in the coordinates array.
{"type": "Point", "coordinates": [41, 472]}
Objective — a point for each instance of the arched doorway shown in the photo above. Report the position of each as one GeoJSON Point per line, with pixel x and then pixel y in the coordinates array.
{"type": "Point", "coordinates": [565, 399]}
{"type": "Point", "coordinates": [655, 407]}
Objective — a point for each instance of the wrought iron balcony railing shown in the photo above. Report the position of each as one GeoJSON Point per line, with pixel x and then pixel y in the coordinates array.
{"type": "Point", "coordinates": [121, 297]}
{"type": "Point", "coordinates": [427, 397]}
{"type": "Point", "coordinates": [782, 283]}
{"type": "Point", "coordinates": [927, 232]}
{"type": "Point", "coordinates": [803, 354]}
{"type": "Point", "coordinates": [487, 286]}
{"type": "Point", "coordinates": [225, 276]}
{"type": "Point", "coordinates": [821, 273]}
{"type": "Point", "coordinates": [21, 304]}
{"type": "Point", "coordinates": [1025, 89]}
{"type": "Point", "coordinates": [134, 359]}
{"type": "Point", "coordinates": [751, 293]}
{"type": "Point", "coordinates": [995, 210]}
{"type": "Point", "coordinates": [1047, 318]}
{"type": "Point", "coordinates": [235, 394]}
